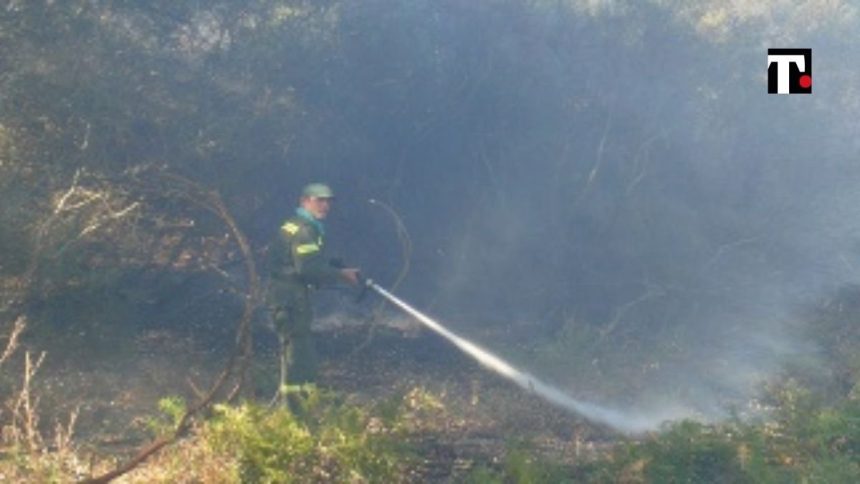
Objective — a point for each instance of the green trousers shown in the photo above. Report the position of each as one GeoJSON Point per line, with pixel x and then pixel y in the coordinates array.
{"type": "Point", "coordinates": [292, 314]}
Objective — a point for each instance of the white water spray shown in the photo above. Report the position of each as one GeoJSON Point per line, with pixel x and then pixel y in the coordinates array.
{"type": "Point", "coordinates": [628, 422]}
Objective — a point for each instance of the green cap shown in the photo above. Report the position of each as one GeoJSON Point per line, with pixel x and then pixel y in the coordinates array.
{"type": "Point", "coordinates": [318, 190]}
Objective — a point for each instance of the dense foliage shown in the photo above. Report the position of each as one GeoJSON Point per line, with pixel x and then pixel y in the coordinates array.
{"type": "Point", "coordinates": [605, 177]}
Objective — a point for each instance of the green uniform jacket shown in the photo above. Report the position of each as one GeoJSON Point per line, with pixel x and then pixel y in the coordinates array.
{"type": "Point", "coordinates": [298, 255]}
{"type": "Point", "coordinates": [297, 263]}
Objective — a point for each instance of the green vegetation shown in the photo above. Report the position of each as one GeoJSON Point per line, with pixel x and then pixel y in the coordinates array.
{"type": "Point", "coordinates": [319, 437]}
{"type": "Point", "coordinates": [171, 410]}
{"type": "Point", "coordinates": [323, 440]}
{"type": "Point", "coordinates": [521, 466]}
{"type": "Point", "coordinates": [802, 441]}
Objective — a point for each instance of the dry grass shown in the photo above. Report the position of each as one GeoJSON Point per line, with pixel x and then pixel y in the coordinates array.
{"type": "Point", "coordinates": [191, 460]}
{"type": "Point", "coordinates": [27, 452]}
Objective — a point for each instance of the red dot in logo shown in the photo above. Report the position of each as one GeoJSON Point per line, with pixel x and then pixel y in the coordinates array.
{"type": "Point", "coordinates": [805, 81]}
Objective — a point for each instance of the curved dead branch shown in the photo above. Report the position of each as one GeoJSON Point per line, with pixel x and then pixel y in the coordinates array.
{"type": "Point", "coordinates": [239, 360]}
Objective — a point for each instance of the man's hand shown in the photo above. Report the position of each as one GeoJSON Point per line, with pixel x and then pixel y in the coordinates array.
{"type": "Point", "coordinates": [350, 275]}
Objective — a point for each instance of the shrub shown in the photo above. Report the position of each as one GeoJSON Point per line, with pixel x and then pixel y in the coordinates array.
{"type": "Point", "coordinates": [324, 440]}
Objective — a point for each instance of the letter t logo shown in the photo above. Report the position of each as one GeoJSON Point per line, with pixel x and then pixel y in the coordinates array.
{"type": "Point", "coordinates": [789, 71]}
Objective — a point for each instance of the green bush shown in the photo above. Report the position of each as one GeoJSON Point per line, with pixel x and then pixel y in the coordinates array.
{"type": "Point", "coordinates": [171, 409]}
{"type": "Point", "coordinates": [323, 440]}
{"type": "Point", "coordinates": [521, 466]}
{"type": "Point", "coordinates": [691, 452]}
{"type": "Point", "coordinates": [802, 441]}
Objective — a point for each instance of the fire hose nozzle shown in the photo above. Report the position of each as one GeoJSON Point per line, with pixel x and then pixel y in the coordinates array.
{"type": "Point", "coordinates": [366, 283]}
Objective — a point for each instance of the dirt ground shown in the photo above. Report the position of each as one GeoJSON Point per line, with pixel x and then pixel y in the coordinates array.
{"type": "Point", "coordinates": [480, 415]}
{"type": "Point", "coordinates": [483, 414]}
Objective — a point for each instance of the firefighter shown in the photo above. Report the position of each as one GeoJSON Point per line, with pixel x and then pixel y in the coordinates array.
{"type": "Point", "coordinates": [298, 266]}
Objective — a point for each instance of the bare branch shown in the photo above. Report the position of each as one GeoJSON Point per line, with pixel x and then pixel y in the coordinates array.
{"type": "Point", "coordinates": [240, 358]}
{"type": "Point", "coordinates": [24, 415]}
{"type": "Point", "coordinates": [100, 220]}
{"type": "Point", "coordinates": [599, 158]}
{"type": "Point", "coordinates": [61, 203]}
{"type": "Point", "coordinates": [650, 293]}
{"type": "Point", "coordinates": [723, 249]}
{"type": "Point", "coordinates": [12, 341]}
{"type": "Point", "coordinates": [63, 434]}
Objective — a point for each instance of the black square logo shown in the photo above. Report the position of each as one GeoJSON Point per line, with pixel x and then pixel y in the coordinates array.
{"type": "Point", "coordinates": [789, 71]}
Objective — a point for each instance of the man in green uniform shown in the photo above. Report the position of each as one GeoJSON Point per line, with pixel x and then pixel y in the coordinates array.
{"type": "Point", "coordinates": [298, 266]}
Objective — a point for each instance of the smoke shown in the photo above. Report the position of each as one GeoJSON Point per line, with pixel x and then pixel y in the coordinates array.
{"type": "Point", "coordinates": [662, 199]}
{"type": "Point", "coordinates": [632, 422]}
{"type": "Point", "coordinates": [613, 184]}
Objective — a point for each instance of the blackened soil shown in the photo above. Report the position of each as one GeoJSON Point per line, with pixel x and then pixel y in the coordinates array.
{"type": "Point", "coordinates": [472, 418]}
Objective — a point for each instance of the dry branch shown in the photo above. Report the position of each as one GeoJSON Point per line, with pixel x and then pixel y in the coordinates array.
{"type": "Point", "coordinates": [12, 341]}
{"type": "Point", "coordinates": [25, 417]}
{"type": "Point", "coordinates": [239, 360]}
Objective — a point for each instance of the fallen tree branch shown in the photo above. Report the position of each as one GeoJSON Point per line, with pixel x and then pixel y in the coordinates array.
{"type": "Point", "coordinates": [239, 360]}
